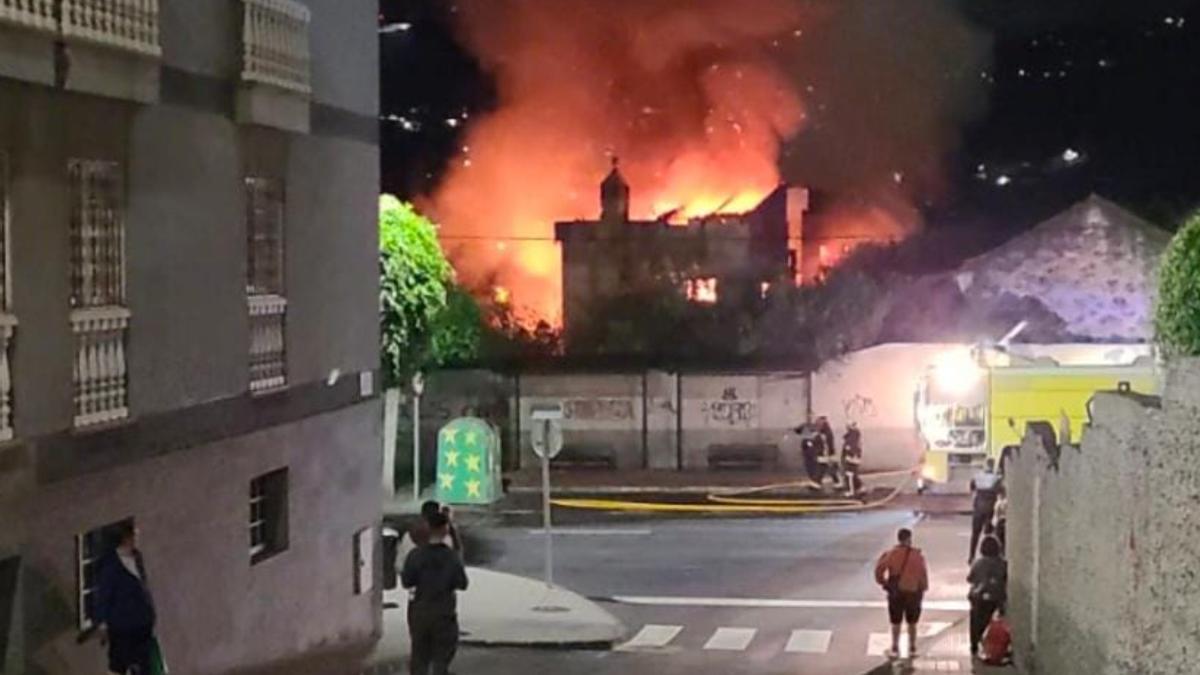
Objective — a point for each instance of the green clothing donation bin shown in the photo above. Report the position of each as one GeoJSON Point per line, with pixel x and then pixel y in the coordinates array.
{"type": "Point", "coordinates": [468, 462]}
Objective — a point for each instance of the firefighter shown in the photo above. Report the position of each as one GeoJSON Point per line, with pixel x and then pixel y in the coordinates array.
{"type": "Point", "coordinates": [827, 446]}
{"type": "Point", "coordinates": [985, 486]}
{"type": "Point", "coordinates": [809, 450]}
{"type": "Point", "coordinates": [852, 459]}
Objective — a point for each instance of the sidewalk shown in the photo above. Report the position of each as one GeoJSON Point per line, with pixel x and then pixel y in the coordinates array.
{"type": "Point", "coordinates": [505, 609]}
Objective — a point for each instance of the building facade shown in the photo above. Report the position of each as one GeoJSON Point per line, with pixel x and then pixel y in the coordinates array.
{"type": "Point", "coordinates": [189, 323]}
{"type": "Point", "coordinates": [709, 259]}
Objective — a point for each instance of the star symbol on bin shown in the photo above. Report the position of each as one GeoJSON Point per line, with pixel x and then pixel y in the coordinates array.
{"type": "Point", "coordinates": [451, 457]}
{"type": "Point", "coordinates": [447, 481]}
{"type": "Point", "coordinates": [449, 435]}
{"type": "Point", "coordinates": [470, 438]}
{"type": "Point", "coordinates": [473, 488]}
{"type": "Point", "coordinates": [474, 463]}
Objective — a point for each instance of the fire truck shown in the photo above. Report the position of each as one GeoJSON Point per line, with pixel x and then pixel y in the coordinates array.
{"type": "Point", "coordinates": [974, 402]}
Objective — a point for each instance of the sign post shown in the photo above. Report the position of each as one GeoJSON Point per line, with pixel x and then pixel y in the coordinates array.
{"type": "Point", "coordinates": [418, 386]}
{"type": "Point", "coordinates": [547, 443]}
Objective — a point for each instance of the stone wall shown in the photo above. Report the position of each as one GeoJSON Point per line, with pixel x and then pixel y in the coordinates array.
{"type": "Point", "coordinates": [1103, 539]}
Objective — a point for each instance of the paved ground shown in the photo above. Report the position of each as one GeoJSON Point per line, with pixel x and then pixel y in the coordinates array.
{"type": "Point", "coordinates": [764, 595]}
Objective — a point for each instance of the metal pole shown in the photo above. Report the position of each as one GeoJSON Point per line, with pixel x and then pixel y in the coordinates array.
{"type": "Point", "coordinates": [416, 447]}
{"type": "Point", "coordinates": [546, 509]}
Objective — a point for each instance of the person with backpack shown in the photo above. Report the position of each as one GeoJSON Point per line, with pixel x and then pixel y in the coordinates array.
{"type": "Point", "coordinates": [903, 575]}
{"type": "Point", "coordinates": [434, 574]}
{"type": "Point", "coordinates": [985, 487]}
{"type": "Point", "coordinates": [989, 589]}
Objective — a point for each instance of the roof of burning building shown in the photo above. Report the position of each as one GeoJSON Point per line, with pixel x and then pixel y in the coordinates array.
{"type": "Point", "coordinates": [1094, 265]}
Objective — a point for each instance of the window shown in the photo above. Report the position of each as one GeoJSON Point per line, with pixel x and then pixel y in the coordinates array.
{"type": "Point", "coordinates": [90, 548]}
{"type": "Point", "coordinates": [268, 515]}
{"type": "Point", "coordinates": [264, 284]}
{"type": "Point", "coordinates": [264, 236]}
{"type": "Point", "coordinates": [703, 290]}
{"type": "Point", "coordinates": [97, 233]}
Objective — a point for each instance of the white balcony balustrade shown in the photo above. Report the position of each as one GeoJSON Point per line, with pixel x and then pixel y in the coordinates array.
{"type": "Point", "coordinates": [101, 382]}
{"type": "Point", "coordinates": [8, 326]}
{"type": "Point", "coordinates": [268, 354]}
{"type": "Point", "coordinates": [275, 44]}
{"type": "Point", "coordinates": [129, 25]}
{"type": "Point", "coordinates": [32, 14]}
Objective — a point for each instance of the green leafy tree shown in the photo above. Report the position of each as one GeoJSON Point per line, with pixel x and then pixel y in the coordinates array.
{"type": "Point", "coordinates": [1177, 312]}
{"type": "Point", "coordinates": [457, 335]}
{"type": "Point", "coordinates": [414, 276]}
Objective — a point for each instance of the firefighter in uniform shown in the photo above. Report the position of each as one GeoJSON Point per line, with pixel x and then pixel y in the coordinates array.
{"type": "Point", "coordinates": [828, 452]}
{"type": "Point", "coordinates": [852, 453]}
{"type": "Point", "coordinates": [808, 449]}
{"type": "Point", "coordinates": [985, 486]}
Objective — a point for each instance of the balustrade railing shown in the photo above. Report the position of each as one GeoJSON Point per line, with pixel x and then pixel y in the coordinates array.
{"type": "Point", "coordinates": [268, 354]}
{"type": "Point", "coordinates": [32, 14]}
{"type": "Point", "coordinates": [8, 326]}
{"type": "Point", "coordinates": [275, 44]}
{"type": "Point", "coordinates": [131, 25]}
{"type": "Point", "coordinates": [101, 383]}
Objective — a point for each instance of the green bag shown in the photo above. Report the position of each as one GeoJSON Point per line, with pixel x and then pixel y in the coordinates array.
{"type": "Point", "coordinates": [158, 664]}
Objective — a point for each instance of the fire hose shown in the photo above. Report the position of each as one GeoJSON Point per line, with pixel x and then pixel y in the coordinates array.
{"type": "Point", "coordinates": [735, 501]}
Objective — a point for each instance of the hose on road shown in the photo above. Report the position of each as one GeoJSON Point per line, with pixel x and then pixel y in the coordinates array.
{"type": "Point", "coordinates": [733, 502]}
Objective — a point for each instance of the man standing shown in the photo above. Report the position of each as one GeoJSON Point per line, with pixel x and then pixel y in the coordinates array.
{"type": "Point", "coordinates": [828, 448]}
{"type": "Point", "coordinates": [902, 574]}
{"type": "Point", "coordinates": [986, 488]}
{"type": "Point", "coordinates": [810, 452]}
{"type": "Point", "coordinates": [124, 610]}
{"type": "Point", "coordinates": [852, 459]}
{"type": "Point", "coordinates": [434, 573]}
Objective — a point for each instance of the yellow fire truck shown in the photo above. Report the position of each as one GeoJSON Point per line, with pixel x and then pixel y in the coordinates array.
{"type": "Point", "coordinates": [975, 403]}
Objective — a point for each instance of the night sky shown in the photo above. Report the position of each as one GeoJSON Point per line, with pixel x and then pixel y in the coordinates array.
{"type": "Point", "coordinates": [1085, 96]}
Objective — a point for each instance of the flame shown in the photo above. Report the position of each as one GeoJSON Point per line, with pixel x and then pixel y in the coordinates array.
{"type": "Point", "coordinates": [501, 295]}
{"type": "Point", "coordinates": [687, 94]}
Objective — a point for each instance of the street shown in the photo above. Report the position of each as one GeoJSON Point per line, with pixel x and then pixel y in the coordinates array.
{"type": "Point", "coordinates": [779, 595]}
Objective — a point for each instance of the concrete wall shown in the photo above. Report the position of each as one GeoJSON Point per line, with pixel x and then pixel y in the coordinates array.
{"type": "Point", "coordinates": [742, 409]}
{"type": "Point", "coordinates": [191, 509]}
{"type": "Point", "coordinates": [1104, 539]}
{"type": "Point", "coordinates": [875, 388]}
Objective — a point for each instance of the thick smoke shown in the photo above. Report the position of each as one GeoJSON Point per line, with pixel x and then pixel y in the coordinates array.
{"type": "Point", "coordinates": [697, 98]}
{"type": "Point", "coordinates": [890, 86]}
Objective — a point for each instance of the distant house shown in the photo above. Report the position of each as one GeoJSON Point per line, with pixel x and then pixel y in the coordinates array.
{"type": "Point", "coordinates": [709, 259]}
{"type": "Point", "coordinates": [1094, 265]}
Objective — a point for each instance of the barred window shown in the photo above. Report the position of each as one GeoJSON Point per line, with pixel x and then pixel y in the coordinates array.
{"type": "Point", "coordinates": [90, 549]}
{"type": "Point", "coordinates": [3, 232]}
{"type": "Point", "coordinates": [268, 515]}
{"type": "Point", "coordinates": [264, 236]}
{"type": "Point", "coordinates": [97, 233]}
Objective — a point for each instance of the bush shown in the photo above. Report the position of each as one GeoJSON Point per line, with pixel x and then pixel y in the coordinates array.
{"type": "Point", "coordinates": [1177, 312]}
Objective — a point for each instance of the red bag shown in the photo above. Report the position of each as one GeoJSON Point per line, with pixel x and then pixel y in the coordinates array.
{"type": "Point", "coordinates": [997, 643]}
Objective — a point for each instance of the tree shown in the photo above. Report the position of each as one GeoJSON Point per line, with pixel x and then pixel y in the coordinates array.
{"type": "Point", "coordinates": [414, 276]}
{"type": "Point", "coordinates": [1177, 312]}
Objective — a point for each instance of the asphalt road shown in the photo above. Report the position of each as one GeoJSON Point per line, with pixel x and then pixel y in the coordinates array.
{"type": "Point", "coordinates": [698, 596]}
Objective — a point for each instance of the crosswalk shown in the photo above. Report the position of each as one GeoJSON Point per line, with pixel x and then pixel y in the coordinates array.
{"type": "Point", "coordinates": [933, 640]}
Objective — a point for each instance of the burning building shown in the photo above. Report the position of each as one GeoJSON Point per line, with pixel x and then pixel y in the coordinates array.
{"type": "Point", "coordinates": [708, 258]}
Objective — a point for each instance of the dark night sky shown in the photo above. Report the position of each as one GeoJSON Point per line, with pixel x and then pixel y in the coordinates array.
{"type": "Point", "coordinates": [1085, 96]}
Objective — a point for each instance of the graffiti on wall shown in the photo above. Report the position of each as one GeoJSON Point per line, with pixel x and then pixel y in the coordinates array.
{"type": "Point", "coordinates": [858, 408]}
{"type": "Point", "coordinates": [729, 410]}
{"type": "Point", "coordinates": [598, 409]}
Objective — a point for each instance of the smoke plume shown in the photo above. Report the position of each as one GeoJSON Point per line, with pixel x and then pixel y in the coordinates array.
{"type": "Point", "coordinates": [698, 99]}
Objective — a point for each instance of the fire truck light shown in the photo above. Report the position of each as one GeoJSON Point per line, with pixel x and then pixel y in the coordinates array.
{"type": "Point", "coordinates": [956, 372]}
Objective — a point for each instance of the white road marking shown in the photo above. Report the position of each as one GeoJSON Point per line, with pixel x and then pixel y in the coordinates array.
{"type": "Point", "coordinates": [932, 628]}
{"type": "Point", "coordinates": [809, 642]}
{"type": "Point", "coordinates": [651, 636]}
{"type": "Point", "coordinates": [593, 532]}
{"type": "Point", "coordinates": [879, 643]}
{"type": "Point", "coordinates": [730, 639]}
{"type": "Point", "coordinates": [780, 603]}
{"type": "Point", "coordinates": [937, 666]}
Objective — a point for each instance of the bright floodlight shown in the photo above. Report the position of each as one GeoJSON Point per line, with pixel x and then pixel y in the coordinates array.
{"type": "Point", "coordinates": [956, 372]}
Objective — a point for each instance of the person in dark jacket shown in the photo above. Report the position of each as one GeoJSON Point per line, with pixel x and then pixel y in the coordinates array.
{"type": "Point", "coordinates": [809, 440]}
{"type": "Point", "coordinates": [433, 573]}
{"type": "Point", "coordinates": [124, 609]}
{"type": "Point", "coordinates": [985, 487]}
{"type": "Point", "coordinates": [989, 588]}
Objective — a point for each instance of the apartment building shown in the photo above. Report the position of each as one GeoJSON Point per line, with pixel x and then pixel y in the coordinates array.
{"type": "Point", "coordinates": [189, 323]}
